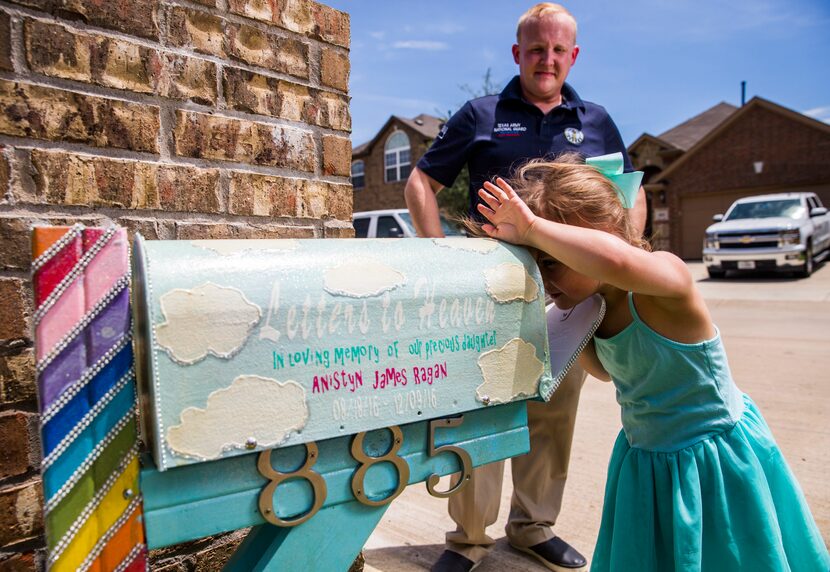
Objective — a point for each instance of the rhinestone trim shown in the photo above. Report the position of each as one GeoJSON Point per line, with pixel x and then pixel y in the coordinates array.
{"type": "Point", "coordinates": [87, 419]}
{"type": "Point", "coordinates": [73, 274]}
{"type": "Point", "coordinates": [61, 545]}
{"type": "Point", "coordinates": [85, 378]}
{"type": "Point", "coordinates": [73, 233]}
{"type": "Point", "coordinates": [119, 286]}
{"type": "Point", "coordinates": [102, 542]}
{"type": "Point", "coordinates": [130, 558]}
{"type": "Point", "coordinates": [87, 463]}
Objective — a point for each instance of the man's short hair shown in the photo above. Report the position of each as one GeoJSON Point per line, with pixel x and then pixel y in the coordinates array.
{"type": "Point", "coordinates": [543, 9]}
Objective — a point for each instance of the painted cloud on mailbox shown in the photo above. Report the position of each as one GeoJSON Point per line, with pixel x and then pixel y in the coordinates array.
{"type": "Point", "coordinates": [208, 319]}
{"type": "Point", "coordinates": [362, 278]}
{"type": "Point", "coordinates": [479, 245]}
{"type": "Point", "coordinates": [256, 410]}
{"type": "Point", "coordinates": [510, 371]}
{"type": "Point", "coordinates": [507, 282]}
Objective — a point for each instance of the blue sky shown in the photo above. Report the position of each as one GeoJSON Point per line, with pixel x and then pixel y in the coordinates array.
{"type": "Point", "coordinates": [651, 63]}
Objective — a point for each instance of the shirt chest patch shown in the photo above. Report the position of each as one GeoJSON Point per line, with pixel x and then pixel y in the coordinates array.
{"type": "Point", "coordinates": [512, 129]}
{"type": "Point", "coordinates": [574, 136]}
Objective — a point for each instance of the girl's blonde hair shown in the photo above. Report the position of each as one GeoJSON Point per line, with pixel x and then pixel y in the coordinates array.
{"type": "Point", "coordinates": [567, 190]}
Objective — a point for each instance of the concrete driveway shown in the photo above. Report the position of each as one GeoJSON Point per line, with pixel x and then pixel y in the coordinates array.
{"type": "Point", "coordinates": [777, 333]}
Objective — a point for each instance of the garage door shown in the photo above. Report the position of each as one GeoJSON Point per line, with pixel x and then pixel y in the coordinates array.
{"type": "Point", "coordinates": [696, 212]}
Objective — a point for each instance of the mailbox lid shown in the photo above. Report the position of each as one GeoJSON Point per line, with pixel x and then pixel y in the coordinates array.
{"type": "Point", "coordinates": [247, 345]}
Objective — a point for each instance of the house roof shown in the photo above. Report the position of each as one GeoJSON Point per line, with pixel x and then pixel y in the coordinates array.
{"type": "Point", "coordinates": [688, 133]}
{"type": "Point", "coordinates": [426, 125]}
{"type": "Point", "coordinates": [725, 124]}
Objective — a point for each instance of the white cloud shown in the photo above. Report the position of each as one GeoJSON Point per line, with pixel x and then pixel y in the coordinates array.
{"type": "Point", "coordinates": [426, 45]}
{"type": "Point", "coordinates": [378, 35]}
{"type": "Point", "coordinates": [253, 407]}
{"type": "Point", "coordinates": [208, 319]}
{"type": "Point", "coordinates": [510, 372]}
{"type": "Point", "coordinates": [362, 279]}
{"type": "Point", "coordinates": [508, 281]}
{"type": "Point", "coordinates": [820, 113]}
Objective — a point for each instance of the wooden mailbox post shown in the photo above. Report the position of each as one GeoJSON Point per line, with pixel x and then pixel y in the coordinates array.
{"type": "Point", "coordinates": [292, 386]}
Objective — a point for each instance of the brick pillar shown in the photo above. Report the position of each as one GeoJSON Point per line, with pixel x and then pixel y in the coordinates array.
{"type": "Point", "coordinates": [180, 119]}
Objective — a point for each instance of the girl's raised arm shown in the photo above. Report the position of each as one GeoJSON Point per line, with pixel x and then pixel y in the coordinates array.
{"type": "Point", "coordinates": [592, 252]}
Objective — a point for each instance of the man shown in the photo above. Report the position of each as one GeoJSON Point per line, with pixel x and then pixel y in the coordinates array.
{"type": "Point", "coordinates": [536, 115]}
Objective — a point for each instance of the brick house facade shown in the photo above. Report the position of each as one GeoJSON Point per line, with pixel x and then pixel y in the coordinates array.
{"type": "Point", "coordinates": [381, 188]}
{"type": "Point", "coordinates": [180, 119]}
{"type": "Point", "coordinates": [700, 167]}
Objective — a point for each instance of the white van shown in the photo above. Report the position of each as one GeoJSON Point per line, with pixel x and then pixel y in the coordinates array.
{"type": "Point", "coordinates": [392, 223]}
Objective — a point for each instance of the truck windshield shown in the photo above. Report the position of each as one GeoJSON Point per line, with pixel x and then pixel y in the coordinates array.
{"type": "Point", "coordinates": [788, 208]}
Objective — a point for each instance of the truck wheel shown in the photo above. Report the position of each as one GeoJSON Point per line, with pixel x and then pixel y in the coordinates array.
{"type": "Point", "coordinates": [715, 273]}
{"type": "Point", "coordinates": [807, 269]}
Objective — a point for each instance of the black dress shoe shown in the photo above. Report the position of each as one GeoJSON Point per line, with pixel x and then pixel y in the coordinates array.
{"type": "Point", "coordinates": [453, 562]}
{"type": "Point", "coordinates": [556, 554]}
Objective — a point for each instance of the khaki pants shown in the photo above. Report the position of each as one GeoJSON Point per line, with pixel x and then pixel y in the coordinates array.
{"type": "Point", "coordinates": [538, 479]}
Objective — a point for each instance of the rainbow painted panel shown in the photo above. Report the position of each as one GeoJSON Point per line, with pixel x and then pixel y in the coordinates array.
{"type": "Point", "coordinates": [246, 345]}
{"type": "Point", "coordinates": [87, 400]}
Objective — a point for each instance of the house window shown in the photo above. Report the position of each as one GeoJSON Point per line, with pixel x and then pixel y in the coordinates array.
{"type": "Point", "coordinates": [396, 157]}
{"type": "Point", "coordinates": [358, 175]}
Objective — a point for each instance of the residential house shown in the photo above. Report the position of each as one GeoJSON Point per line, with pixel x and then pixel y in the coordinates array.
{"type": "Point", "coordinates": [698, 168]}
{"type": "Point", "coordinates": [381, 166]}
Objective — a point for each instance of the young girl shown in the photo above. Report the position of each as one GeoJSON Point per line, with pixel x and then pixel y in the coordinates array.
{"type": "Point", "coordinates": [696, 480]}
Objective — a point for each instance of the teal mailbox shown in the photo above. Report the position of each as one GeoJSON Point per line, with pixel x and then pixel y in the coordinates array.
{"type": "Point", "coordinates": [298, 386]}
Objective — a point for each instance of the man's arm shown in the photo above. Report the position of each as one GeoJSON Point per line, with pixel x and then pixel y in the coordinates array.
{"type": "Point", "coordinates": [638, 213]}
{"type": "Point", "coordinates": [420, 194]}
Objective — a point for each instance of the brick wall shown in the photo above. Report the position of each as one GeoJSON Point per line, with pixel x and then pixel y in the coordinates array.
{"type": "Point", "coordinates": [179, 119]}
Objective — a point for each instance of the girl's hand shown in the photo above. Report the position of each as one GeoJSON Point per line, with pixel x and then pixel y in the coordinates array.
{"type": "Point", "coordinates": [509, 216]}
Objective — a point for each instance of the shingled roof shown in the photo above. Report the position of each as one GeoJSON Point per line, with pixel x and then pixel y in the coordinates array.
{"type": "Point", "coordinates": [427, 125]}
{"type": "Point", "coordinates": [688, 133]}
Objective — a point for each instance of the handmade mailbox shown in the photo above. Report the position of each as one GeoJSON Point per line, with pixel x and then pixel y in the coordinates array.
{"type": "Point", "coordinates": [296, 386]}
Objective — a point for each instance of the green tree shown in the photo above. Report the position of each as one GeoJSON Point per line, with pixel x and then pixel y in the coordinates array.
{"type": "Point", "coordinates": [454, 201]}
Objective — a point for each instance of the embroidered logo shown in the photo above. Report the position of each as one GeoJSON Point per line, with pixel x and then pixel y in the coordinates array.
{"type": "Point", "coordinates": [574, 136]}
{"type": "Point", "coordinates": [443, 131]}
{"type": "Point", "coordinates": [508, 129]}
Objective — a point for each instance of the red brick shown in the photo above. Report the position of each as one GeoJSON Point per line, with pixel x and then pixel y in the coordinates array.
{"type": "Point", "coordinates": [5, 42]}
{"type": "Point", "coordinates": [196, 30]}
{"type": "Point", "coordinates": [17, 378]}
{"type": "Point", "coordinates": [334, 69]}
{"type": "Point", "coordinates": [328, 110]}
{"type": "Point", "coordinates": [256, 93]}
{"type": "Point", "coordinates": [189, 189]}
{"type": "Point", "coordinates": [134, 18]}
{"type": "Point", "coordinates": [68, 179]}
{"type": "Point", "coordinates": [338, 229]}
{"type": "Point", "coordinates": [19, 443]}
{"type": "Point", "coordinates": [253, 46]}
{"type": "Point", "coordinates": [294, 15]}
{"type": "Point", "coordinates": [337, 155]}
{"type": "Point", "coordinates": [25, 562]}
{"type": "Point", "coordinates": [212, 137]}
{"type": "Point", "coordinates": [330, 25]}
{"type": "Point", "coordinates": [149, 228]}
{"type": "Point", "coordinates": [206, 230]}
{"type": "Point", "coordinates": [57, 115]}
{"type": "Point", "coordinates": [183, 77]}
{"type": "Point", "coordinates": [252, 194]}
{"type": "Point", "coordinates": [54, 50]}
{"type": "Point", "coordinates": [21, 513]}
{"type": "Point", "coordinates": [15, 300]}
{"type": "Point", "coordinates": [340, 202]}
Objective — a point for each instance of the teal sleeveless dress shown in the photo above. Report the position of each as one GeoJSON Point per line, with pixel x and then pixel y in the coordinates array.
{"type": "Point", "coordinates": [696, 481]}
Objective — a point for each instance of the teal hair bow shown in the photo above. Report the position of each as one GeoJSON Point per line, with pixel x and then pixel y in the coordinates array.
{"type": "Point", "coordinates": [626, 184]}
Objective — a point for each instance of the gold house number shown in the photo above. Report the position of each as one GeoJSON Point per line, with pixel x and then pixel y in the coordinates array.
{"type": "Point", "coordinates": [318, 483]}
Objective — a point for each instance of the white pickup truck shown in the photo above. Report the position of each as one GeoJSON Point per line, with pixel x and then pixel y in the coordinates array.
{"type": "Point", "coordinates": [782, 232]}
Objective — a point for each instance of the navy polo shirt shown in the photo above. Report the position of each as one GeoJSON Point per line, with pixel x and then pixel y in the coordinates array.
{"type": "Point", "coordinates": [497, 133]}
